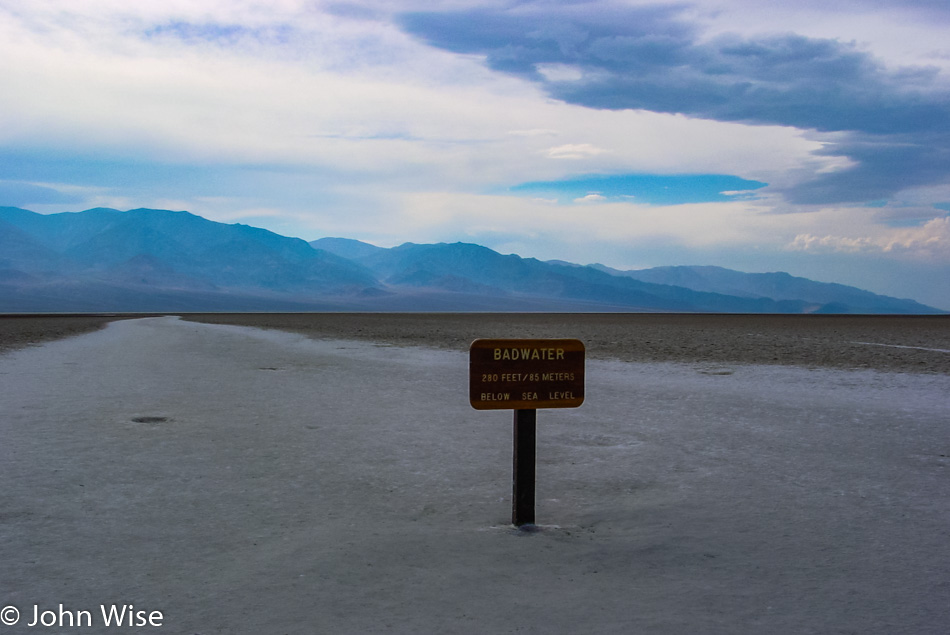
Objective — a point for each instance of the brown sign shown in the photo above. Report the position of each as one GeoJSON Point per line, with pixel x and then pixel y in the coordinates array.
{"type": "Point", "coordinates": [526, 374]}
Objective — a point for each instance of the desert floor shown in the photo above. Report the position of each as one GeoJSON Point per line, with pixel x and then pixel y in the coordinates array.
{"type": "Point", "coordinates": [893, 343]}
{"type": "Point", "coordinates": [723, 476]}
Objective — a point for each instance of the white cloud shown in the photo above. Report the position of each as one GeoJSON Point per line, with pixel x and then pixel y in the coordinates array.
{"type": "Point", "coordinates": [559, 72]}
{"type": "Point", "coordinates": [574, 151]}
{"type": "Point", "coordinates": [808, 242]}
{"type": "Point", "coordinates": [591, 198]}
{"type": "Point", "coordinates": [122, 93]}
{"type": "Point", "coordinates": [342, 95]}
{"type": "Point", "coordinates": [931, 241]}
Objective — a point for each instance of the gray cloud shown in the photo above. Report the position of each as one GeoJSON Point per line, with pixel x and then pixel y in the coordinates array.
{"type": "Point", "coordinates": [897, 120]}
{"type": "Point", "coordinates": [884, 165]}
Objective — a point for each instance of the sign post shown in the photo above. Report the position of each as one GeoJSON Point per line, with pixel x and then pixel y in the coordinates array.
{"type": "Point", "coordinates": [524, 375]}
{"type": "Point", "coordinates": [523, 472]}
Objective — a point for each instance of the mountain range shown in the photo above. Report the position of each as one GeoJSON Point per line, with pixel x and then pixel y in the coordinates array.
{"type": "Point", "coordinates": [148, 260]}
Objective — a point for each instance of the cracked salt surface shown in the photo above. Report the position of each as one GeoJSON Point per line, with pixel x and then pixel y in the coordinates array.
{"type": "Point", "coordinates": [345, 487]}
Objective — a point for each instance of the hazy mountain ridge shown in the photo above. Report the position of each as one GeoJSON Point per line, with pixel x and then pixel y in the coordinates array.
{"type": "Point", "coordinates": [434, 264]}
{"type": "Point", "coordinates": [161, 250]}
{"type": "Point", "coordinates": [775, 285]}
{"type": "Point", "coordinates": [157, 260]}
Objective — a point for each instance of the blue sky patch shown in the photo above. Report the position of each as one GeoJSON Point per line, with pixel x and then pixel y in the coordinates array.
{"type": "Point", "coordinates": [219, 33]}
{"type": "Point", "coordinates": [650, 189]}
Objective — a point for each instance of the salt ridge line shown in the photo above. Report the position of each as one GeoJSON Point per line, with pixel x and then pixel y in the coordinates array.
{"type": "Point", "coordinates": [916, 348]}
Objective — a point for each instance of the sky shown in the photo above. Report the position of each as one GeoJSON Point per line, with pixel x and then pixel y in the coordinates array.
{"type": "Point", "coordinates": [808, 137]}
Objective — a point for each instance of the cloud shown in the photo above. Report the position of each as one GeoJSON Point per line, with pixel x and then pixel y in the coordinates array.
{"type": "Point", "coordinates": [559, 72]}
{"type": "Point", "coordinates": [574, 151]}
{"type": "Point", "coordinates": [534, 132]}
{"type": "Point", "coordinates": [896, 120]}
{"type": "Point", "coordinates": [607, 223]}
{"type": "Point", "coordinates": [222, 98]}
{"type": "Point", "coordinates": [808, 242]}
{"type": "Point", "coordinates": [930, 241]}
{"type": "Point", "coordinates": [880, 167]}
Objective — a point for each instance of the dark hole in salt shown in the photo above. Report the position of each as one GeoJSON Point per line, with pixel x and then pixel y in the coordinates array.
{"type": "Point", "coordinates": [148, 419]}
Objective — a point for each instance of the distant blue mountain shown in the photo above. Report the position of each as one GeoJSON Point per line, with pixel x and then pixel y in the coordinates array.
{"type": "Point", "coordinates": [825, 297]}
{"type": "Point", "coordinates": [125, 258]}
{"type": "Point", "coordinates": [346, 247]}
{"type": "Point", "coordinates": [477, 269]}
{"type": "Point", "coordinates": [157, 260]}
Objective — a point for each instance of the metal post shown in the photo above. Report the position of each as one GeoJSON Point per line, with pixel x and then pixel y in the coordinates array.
{"type": "Point", "coordinates": [525, 437]}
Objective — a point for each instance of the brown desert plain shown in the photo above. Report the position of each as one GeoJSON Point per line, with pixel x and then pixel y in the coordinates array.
{"type": "Point", "coordinates": [325, 473]}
